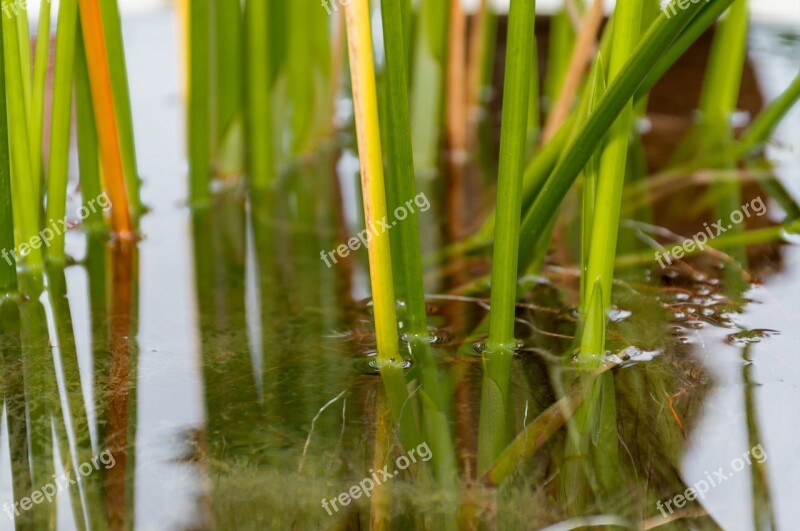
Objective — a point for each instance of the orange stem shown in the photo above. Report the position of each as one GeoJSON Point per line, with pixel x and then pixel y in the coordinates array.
{"type": "Point", "coordinates": [103, 102]}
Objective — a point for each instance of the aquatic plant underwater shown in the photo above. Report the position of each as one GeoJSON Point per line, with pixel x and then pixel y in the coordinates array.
{"type": "Point", "coordinates": [525, 355]}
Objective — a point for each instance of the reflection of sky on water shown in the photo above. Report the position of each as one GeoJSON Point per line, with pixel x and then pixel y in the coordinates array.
{"type": "Point", "coordinates": [721, 433]}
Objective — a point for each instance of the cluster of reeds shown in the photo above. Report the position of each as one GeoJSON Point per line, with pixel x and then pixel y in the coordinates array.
{"type": "Point", "coordinates": [89, 75]}
{"type": "Point", "coordinates": [264, 81]}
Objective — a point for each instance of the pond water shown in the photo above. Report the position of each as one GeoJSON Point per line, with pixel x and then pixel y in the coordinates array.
{"type": "Point", "coordinates": [235, 395]}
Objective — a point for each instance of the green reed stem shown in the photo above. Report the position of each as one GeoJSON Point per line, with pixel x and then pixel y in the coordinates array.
{"type": "Point", "coordinates": [611, 179]}
{"type": "Point", "coordinates": [26, 203]}
{"type": "Point", "coordinates": [534, 105]}
{"type": "Point", "coordinates": [228, 87]}
{"type": "Point", "coordinates": [400, 166]}
{"type": "Point", "coordinates": [88, 143]}
{"type": "Point", "coordinates": [718, 102]}
{"type": "Point", "coordinates": [427, 83]}
{"type": "Point", "coordinates": [112, 29]}
{"type": "Point", "coordinates": [199, 119]}
{"type": "Point", "coordinates": [500, 345]}
{"type": "Point", "coordinates": [228, 52]}
{"type": "Point", "coordinates": [40, 68]}
{"type": "Point", "coordinates": [516, 93]}
{"type": "Point", "coordinates": [401, 182]}
{"type": "Point", "coordinates": [300, 71]}
{"type": "Point", "coordinates": [66, 39]}
{"type": "Point", "coordinates": [8, 267]}
{"type": "Point", "coordinates": [590, 179]}
{"type": "Point", "coordinates": [24, 41]}
{"type": "Point", "coordinates": [562, 40]}
{"type": "Point", "coordinates": [259, 115]}
{"type": "Point", "coordinates": [724, 75]}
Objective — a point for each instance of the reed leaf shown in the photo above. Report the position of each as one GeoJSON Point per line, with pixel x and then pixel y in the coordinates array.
{"type": "Point", "coordinates": [8, 266]}
{"type": "Point", "coordinates": [228, 50]}
{"type": "Point", "coordinates": [427, 84]}
{"type": "Point", "coordinates": [105, 115]}
{"type": "Point", "coordinates": [762, 127]}
{"type": "Point", "coordinates": [88, 143]}
{"type": "Point", "coordinates": [60, 123]}
{"type": "Point", "coordinates": [512, 153]}
{"type": "Point", "coordinates": [400, 166]}
{"type": "Point", "coordinates": [401, 182]}
{"type": "Point", "coordinates": [259, 111]}
{"type": "Point", "coordinates": [24, 39]}
{"type": "Point", "coordinates": [365, 101]}
{"type": "Point", "coordinates": [300, 72]}
{"type": "Point", "coordinates": [40, 67]}
{"type": "Point", "coordinates": [590, 178]}
{"type": "Point", "coordinates": [112, 26]}
{"type": "Point", "coordinates": [26, 203]}
{"type": "Point", "coordinates": [709, 13]}
{"type": "Point", "coordinates": [199, 107]}
{"type": "Point", "coordinates": [610, 182]}
{"type": "Point", "coordinates": [500, 345]}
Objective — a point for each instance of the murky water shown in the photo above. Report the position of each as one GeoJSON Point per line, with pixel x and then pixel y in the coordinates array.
{"type": "Point", "coordinates": [233, 395]}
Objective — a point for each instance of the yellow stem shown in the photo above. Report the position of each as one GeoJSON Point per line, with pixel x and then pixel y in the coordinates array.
{"type": "Point", "coordinates": [365, 101]}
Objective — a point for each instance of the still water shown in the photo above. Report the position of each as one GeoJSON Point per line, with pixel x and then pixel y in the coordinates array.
{"type": "Point", "coordinates": [234, 395]}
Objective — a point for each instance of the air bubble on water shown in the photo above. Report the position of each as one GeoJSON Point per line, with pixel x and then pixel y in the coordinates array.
{"type": "Point", "coordinates": [616, 315]}
{"type": "Point", "coordinates": [790, 237]}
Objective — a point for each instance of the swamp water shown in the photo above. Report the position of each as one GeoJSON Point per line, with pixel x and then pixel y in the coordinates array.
{"type": "Point", "coordinates": [237, 393]}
